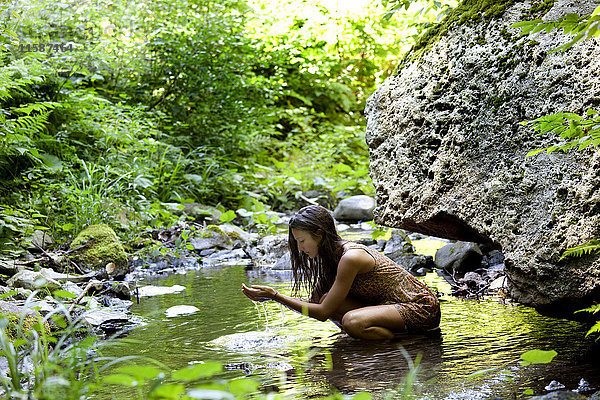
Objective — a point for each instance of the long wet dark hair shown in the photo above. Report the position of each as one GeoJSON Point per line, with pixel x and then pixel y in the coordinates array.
{"type": "Point", "coordinates": [317, 274]}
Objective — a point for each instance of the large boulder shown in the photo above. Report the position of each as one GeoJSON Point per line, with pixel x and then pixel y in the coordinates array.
{"type": "Point", "coordinates": [98, 248]}
{"type": "Point", "coordinates": [448, 155]}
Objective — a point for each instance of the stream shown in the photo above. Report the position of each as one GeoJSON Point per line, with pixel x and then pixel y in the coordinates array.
{"type": "Point", "coordinates": [305, 358]}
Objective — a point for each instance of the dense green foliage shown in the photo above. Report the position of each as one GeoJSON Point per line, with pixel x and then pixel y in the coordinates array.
{"type": "Point", "coordinates": [119, 112]}
{"type": "Point", "coordinates": [45, 365]}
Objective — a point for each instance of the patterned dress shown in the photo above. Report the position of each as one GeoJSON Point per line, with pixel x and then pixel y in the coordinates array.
{"type": "Point", "coordinates": [389, 283]}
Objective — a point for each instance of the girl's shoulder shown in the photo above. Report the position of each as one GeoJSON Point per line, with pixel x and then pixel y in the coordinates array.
{"type": "Point", "coordinates": [359, 255]}
{"type": "Point", "coordinates": [348, 245]}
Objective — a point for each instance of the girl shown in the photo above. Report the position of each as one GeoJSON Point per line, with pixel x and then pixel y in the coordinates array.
{"type": "Point", "coordinates": [364, 292]}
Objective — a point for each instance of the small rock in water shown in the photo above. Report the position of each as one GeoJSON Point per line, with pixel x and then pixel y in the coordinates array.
{"type": "Point", "coordinates": [342, 227]}
{"type": "Point", "coordinates": [282, 366]}
{"type": "Point", "coordinates": [158, 290]}
{"type": "Point", "coordinates": [584, 386]}
{"type": "Point", "coordinates": [554, 385]}
{"type": "Point", "coordinates": [180, 310]}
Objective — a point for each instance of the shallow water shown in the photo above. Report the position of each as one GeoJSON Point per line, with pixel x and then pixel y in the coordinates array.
{"type": "Point", "coordinates": [306, 358]}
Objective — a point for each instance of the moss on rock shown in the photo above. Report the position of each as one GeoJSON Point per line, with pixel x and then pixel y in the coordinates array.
{"type": "Point", "coordinates": [538, 9]}
{"type": "Point", "coordinates": [16, 321]}
{"type": "Point", "coordinates": [467, 12]}
{"type": "Point", "coordinates": [103, 247]}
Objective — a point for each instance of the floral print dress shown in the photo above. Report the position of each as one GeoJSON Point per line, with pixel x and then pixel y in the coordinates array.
{"type": "Point", "coordinates": [389, 283]}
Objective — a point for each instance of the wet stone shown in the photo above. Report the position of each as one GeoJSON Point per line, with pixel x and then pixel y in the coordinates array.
{"type": "Point", "coordinates": [159, 290]}
{"type": "Point", "coordinates": [100, 317]}
{"type": "Point", "coordinates": [554, 385]}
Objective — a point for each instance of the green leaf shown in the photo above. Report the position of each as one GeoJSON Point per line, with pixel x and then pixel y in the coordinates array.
{"type": "Point", "coordinates": [243, 386]}
{"type": "Point", "coordinates": [198, 371]}
{"type": "Point", "coordinates": [538, 357]}
{"type": "Point", "coordinates": [342, 168]}
{"type": "Point", "coordinates": [140, 372]}
{"type": "Point", "coordinates": [59, 320]}
{"type": "Point", "coordinates": [64, 294]}
{"type": "Point", "coordinates": [67, 227]}
{"type": "Point", "coordinates": [8, 294]}
{"type": "Point", "coordinates": [528, 392]}
{"type": "Point", "coordinates": [362, 396]}
{"type": "Point", "coordinates": [591, 112]}
{"type": "Point", "coordinates": [120, 379]}
{"type": "Point", "coordinates": [581, 250]}
{"type": "Point", "coordinates": [594, 329]}
{"type": "Point", "coordinates": [168, 391]}
{"type": "Point", "coordinates": [592, 309]}
{"type": "Point", "coordinates": [534, 152]}
{"type": "Point", "coordinates": [227, 216]}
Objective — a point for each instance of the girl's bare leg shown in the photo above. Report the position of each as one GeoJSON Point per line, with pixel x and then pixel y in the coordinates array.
{"type": "Point", "coordinates": [348, 305]}
{"type": "Point", "coordinates": [373, 322]}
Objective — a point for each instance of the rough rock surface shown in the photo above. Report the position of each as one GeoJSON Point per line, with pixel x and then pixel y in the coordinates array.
{"type": "Point", "coordinates": [448, 156]}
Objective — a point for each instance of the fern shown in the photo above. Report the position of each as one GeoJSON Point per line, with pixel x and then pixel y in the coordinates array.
{"type": "Point", "coordinates": [594, 329]}
{"type": "Point", "coordinates": [583, 249]}
{"type": "Point", "coordinates": [593, 309]}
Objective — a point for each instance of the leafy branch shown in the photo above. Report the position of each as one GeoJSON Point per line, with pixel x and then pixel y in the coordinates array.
{"type": "Point", "coordinates": [575, 130]}
{"type": "Point", "coordinates": [584, 27]}
{"type": "Point", "coordinates": [583, 249]}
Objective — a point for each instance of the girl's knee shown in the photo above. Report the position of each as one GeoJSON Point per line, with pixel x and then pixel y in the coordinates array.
{"type": "Point", "coordinates": [352, 323]}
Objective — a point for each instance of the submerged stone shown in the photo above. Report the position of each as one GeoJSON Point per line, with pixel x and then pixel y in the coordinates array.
{"type": "Point", "coordinates": [180, 310]}
{"type": "Point", "coordinates": [250, 341]}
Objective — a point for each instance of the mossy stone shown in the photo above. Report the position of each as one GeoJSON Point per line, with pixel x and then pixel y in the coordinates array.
{"type": "Point", "coordinates": [103, 248]}
{"type": "Point", "coordinates": [28, 322]}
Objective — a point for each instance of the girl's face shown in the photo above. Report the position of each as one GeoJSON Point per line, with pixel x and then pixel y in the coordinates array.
{"type": "Point", "coordinates": [306, 242]}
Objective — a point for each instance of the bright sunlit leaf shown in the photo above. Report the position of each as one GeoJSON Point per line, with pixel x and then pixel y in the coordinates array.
{"type": "Point", "coordinates": [140, 372]}
{"type": "Point", "coordinates": [538, 357]}
{"type": "Point", "coordinates": [198, 371]}
{"type": "Point", "coordinates": [120, 379]}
